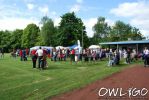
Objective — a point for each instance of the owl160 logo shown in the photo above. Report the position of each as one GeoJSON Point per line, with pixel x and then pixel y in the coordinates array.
{"type": "Point", "coordinates": [131, 92]}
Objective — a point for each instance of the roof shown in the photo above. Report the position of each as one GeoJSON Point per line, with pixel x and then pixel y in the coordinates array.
{"type": "Point", "coordinates": [125, 42]}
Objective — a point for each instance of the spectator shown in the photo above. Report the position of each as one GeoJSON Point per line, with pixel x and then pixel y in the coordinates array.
{"type": "Point", "coordinates": [128, 59]}
{"type": "Point", "coordinates": [21, 55]}
{"type": "Point", "coordinates": [146, 57]}
{"type": "Point", "coordinates": [39, 52]}
{"type": "Point", "coordinates": [24, 55]}
{"type": "Point", "coordinates": [111, 58]}
{"type": "Point", "coordinates": [34, 58]}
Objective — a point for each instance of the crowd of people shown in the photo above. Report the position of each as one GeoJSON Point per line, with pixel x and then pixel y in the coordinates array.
{"type": "Point", "coordinates": [23, 53]}
{"type": "Point", "coordinates": [78, 54]}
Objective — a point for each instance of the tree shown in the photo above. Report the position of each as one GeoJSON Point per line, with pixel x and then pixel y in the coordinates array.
{"type": "Point", "coordinates": [30, 35]}
{"type": "Point", "coordinates": [136, 34]}
{"type": "Point", "coordinates": [16, 38]}
{"type": "Point", "coordinates": [47, 31]}
{"type": "Point", "coordinates": [44, 20]}
{"type": "Point", "coordinates": [122, 32]}
{"type": "Point", "coordinates": [71, 29]}
{"type": "Point", "coordinates": [101, 30]}
{"type": "Point", "coordinates": [5, 40]}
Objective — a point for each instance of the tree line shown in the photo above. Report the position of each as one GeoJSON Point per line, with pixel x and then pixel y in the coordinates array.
{"type": "Point", "coordinates": [70, 29]}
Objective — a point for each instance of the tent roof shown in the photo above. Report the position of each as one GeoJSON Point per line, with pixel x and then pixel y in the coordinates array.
{"type": "Point", "coordinates": [37, 47]}
{"type": "Point", "coordinates": [125, 42]}
{"type": "Point", "coordinates": [94, 46]}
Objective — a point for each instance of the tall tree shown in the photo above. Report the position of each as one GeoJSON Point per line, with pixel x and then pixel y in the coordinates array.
{"type": "Point", "coordinates": [71, 29]}
{"type": "Point", "coordinates": [5, 40]}
{"type": "Point", "coordinates": [47, 31]}
{"type": "Point", "coordinates": [101, 30]}
{"type": "Point", "coordinates": [30, 35]}
{"type": "Point", "coordinates": [136, 34]}
{"type": "Point", "coordinates": [122, 32]}
{"type": "Point", "coordinates": [16, 38]}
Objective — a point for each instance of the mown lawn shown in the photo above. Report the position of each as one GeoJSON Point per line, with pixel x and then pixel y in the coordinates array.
{"type": "Point", "coordinates": [18, 80]}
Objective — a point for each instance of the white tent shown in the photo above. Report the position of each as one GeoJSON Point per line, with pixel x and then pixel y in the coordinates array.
{"type": "Point", "coordinates": [46, 47]}
{"type": "Point", "coordinates": [37, 47]}
{"type": "Point", "coordinates": [59, 47]}
{"type": "Point", "coordinates": [94, 47]}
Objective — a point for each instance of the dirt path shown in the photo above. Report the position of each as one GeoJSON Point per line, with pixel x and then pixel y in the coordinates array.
{"type": "Point", "coordinates": [135, 77]}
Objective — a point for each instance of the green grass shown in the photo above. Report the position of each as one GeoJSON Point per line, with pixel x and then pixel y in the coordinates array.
{"type": "Point", "coordinates": [18, 80]}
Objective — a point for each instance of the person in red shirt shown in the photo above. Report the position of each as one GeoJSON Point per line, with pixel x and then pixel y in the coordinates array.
{"type": "Point", "coordinates": [21, 55]}
{"type": "Point", "coordinates": [27, 51]}
{"type": "Point", "coordinates": [72, 54]}
{"type": "Point", "coordinates": [34, 58]}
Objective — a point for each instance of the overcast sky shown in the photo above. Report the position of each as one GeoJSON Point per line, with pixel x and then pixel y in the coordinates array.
{"type": "Point", "coordinates": [18, 13]}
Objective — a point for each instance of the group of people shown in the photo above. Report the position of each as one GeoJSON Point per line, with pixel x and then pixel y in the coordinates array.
{"type": "Point", "coordinates": [41, 55]}
{"type": "Point", "coordinates": [87, 55]}
{"type": "Point", "coordinates": [116, 55]}
{"type": "Point", "coordinates": [77, 54]}
{"type": "Point", "coordinates": [129, 55]}
{"type": "Point", "coordinates": [23, 53]}
{"type": "Point", "coordinates": [93, 55]}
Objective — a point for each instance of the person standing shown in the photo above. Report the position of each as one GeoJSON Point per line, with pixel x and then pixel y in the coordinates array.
{"type": "Point", "coordinates": [24, 55]}
{"type": "Point", "coordinates": [27, 51]}
{"type": "Point", "coordinates": [146, 56]}
{"type": "Point", "coordinates": [111, 58]}
{"type": "Point", "coordinates": [21, 55]}
{"type": "Point", "coordinates": [128, 59]}
{"type": "Point", "coordinates": [34, 58]}
{"type": "Point", "coordinates": [39, 52]}
{"type": "Point", "coordinates": [72, 54]}
{"type": "Point", "coordinates": [44, 59]}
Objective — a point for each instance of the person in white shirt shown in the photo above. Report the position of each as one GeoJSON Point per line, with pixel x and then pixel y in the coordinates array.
{"type": "Point", "coordinates": [39, 52]}
{"type": "Point", "coordinates": [146, 57]}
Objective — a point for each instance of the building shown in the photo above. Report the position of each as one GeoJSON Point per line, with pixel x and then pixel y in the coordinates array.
{"type": "Point", "coordinates": [138, 45]}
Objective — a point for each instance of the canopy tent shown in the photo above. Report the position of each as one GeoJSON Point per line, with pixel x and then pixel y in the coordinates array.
{"type": "Point", "coordinates": [94, 47]}
{"type": "Point", "coordinates": [43, 47]}
{"type": "Point", "coordinates": [59, 47]}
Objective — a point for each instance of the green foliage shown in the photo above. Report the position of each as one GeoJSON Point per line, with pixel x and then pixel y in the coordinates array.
{"type": "Point", "coordinates": [101, 30]}
{"type": "Point", "coordinates": [5, 40]}
{"type": "Point", "coordinates": [47, 31]}
{"type": "Point", "coordinates": [118, 32]}
{"type": "Point", "coordinates": [123, 32]}
{"type": "Point", "coordinates": [30, 35]}
{"type": "Point", "coordinates": [70, 30]}
{"type": "Point", "coordinates": [16, 38]}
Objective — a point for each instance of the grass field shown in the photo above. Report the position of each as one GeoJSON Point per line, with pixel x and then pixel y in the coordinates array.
{"type": "Point", "coordinates": [18, 80]}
